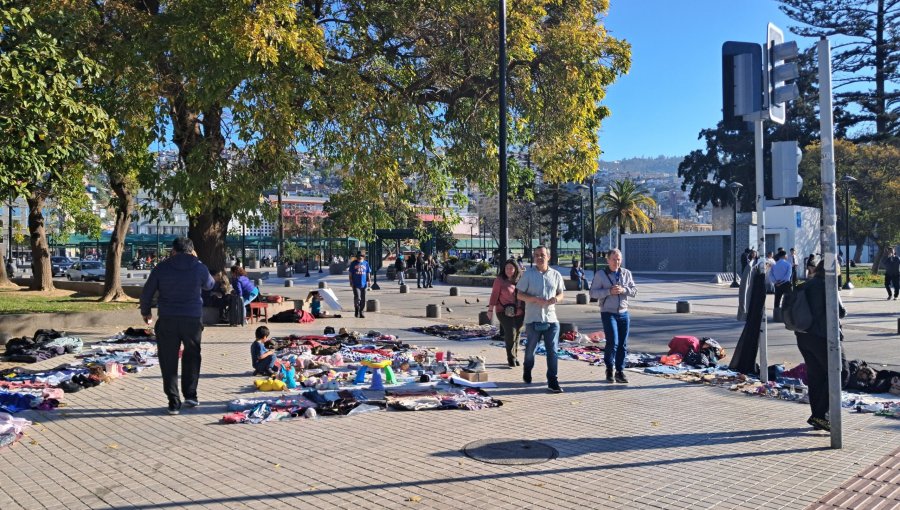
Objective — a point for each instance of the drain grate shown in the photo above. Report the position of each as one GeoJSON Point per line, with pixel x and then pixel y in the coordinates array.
{"type": "Point", "coordinates": [510, 452]}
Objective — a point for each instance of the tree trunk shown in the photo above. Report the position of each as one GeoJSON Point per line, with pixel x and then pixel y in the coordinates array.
{"type": "Point", "coordinates": [207, 230]}
{"type": "Point", "coordinates": [112, 282]}
{"type": "Point", "coordinates": [618, 233]}
{"type": "Point", "coordinates": [41, 272]}
{"type": "Point", "coordinates": [4, 278]}
{"type": "Point", "coordinates": [554, 228]}
{"type": "Point", "coordinates": [882, 253]}
{"type": "Point", "coordinates": [857, 253]}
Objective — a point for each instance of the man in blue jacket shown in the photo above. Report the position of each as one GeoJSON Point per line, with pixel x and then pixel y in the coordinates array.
{"type": "Point", "coordinates": [359, 280]}
{"type": "Point", "coordinates": [178, 280]}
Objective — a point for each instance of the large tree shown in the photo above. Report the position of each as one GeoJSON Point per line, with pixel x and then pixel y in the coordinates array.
{"type": "Point", "coordinates": [49, 123]}
{"type": "Point", "coordinates": [866, 59]}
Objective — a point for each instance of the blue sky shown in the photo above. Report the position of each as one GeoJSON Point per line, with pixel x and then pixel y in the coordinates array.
{"type": "Point", "coordinates": [674, 88]}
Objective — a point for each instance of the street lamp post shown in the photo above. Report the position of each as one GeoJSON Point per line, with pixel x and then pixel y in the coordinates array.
{"type": "Point", "coordinates": [735, 188]}
{"type": "Point", "coordinates": [306, 244]}
{"type": "Point", "coordinates": [847, 180]}
{"type": "Point", "coordinates": [593, 228]}
{"type": "Point", "coordinates": [321, 250]}
{"type": "Point", "coordinates": [243, 244]}
{"type": "Point", "coordinates": [580, 188]}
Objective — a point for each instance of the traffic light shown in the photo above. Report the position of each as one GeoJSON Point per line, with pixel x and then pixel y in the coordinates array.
{"type": "Point", "coordinates": [742, 87]}
{"type": "Point", "coordinates": [786, 180]}
{"type": "Point", "coordinates": [781, 73]}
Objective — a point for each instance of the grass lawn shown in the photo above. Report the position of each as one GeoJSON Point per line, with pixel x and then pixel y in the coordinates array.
{"type": "Point", "coordinates": [861, 276]}
{"type": "Point", "coordinates": [28, 301]}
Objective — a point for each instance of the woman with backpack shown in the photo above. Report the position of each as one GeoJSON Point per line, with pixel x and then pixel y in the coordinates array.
{"type": "Point", "coordinates": [510, 311]}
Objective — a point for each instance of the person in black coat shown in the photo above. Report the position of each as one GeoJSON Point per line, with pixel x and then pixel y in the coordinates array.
{"type": "Point", "coordinates": [813, 346]}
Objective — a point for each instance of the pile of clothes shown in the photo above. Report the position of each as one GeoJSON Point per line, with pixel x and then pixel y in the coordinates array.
{"type": "Point", "coordinates": [45, 344]}
{"type": "Point", "coordinates": [11, 429]}
{"type": "Point", "coordinates": [323, 375]}
{"type": "Point", "coordinates": [463, 333]}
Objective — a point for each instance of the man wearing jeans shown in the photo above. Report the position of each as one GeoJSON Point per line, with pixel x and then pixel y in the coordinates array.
{"type": "Point", "coordinates": [541, 288]}
{"type": "Point", "coordinates": [178, 280]}
{"type": "Point", "coordinates": [611, 288]}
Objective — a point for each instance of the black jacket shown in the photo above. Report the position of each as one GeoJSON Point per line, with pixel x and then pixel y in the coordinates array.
{"type": "Point", "coordinates": [815, 296]}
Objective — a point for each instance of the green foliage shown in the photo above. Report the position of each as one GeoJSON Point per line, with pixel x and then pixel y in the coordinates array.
{"type": "Point", "coordinates": [864, 60]}
{"type": "Point", "coordinates": [48, 120]}
{"type": "Point", "coordinates": [625, 205]}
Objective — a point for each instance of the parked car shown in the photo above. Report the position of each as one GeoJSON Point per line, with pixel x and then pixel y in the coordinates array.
{"type": "Point", "coordinates": [86, 270]}
{"type": "Point", "coordinates": [59, 265]}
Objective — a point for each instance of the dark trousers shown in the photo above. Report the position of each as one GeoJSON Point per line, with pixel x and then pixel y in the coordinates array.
{"type": "Point", "coordinates": [420, 277]}
{"type": "Point", "coordinates": [892, 280]}
{"type": "Point", "coordinates": [429, 277]}
{"type": "Point", "coordinates": [511, 327]}
{"type": "Point", "coordinates": [171, 334]}
{"type": "Point", "coordinates": [359, 299]}
{"type": "Point", "coordinates": [264, 366]}
{"type": "Point", "coordinates": [815, 354]}
{"type": "Point", "coordinates": [780, 289]}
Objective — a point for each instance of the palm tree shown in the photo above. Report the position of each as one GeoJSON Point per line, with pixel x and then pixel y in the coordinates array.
{"type": "Point", "coordinates": [625, 204]}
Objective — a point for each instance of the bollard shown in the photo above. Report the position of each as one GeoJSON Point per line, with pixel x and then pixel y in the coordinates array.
{"type": "Point", "coordinates": [776, 315]}
{"type": "Point", "coordinates": [146, 275]}
{"type": "Point", "coordinates": [565, 327]}
{"type": "Point", "coordinates": [483, 318]}
{"type": "Point", "coordinates": [454, 291]}
{"type": "Point", "coordinates": [127, 275]}
{"type": "Point", "coordinates": [298, 304]}
{"type": "Point", "coordinates": [683, 307]}
{"type": "Point", "coordinates": [898, 326]}
{"type": "Point", "coordinates": [373, 305]}
{"type": "Point", "coordinates": [581, 299]}
{"type": "Point", "coordinates": [323, 285]}
{"type": "Point", "coordinates": [404, 289]}
{"type": "Point", "coordinates": [289, 283]}
{"type": "Point", "coordinates": [432, 312]}
{"type": "Point", "coordinates": [257, 282]}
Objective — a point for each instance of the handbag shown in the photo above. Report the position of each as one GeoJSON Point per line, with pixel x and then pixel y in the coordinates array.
{"type": "Point", "coordinates": [511, 310]}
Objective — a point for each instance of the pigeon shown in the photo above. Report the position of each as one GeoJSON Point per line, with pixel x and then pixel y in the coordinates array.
{"type": "Point", "coordinates": [477, 300]}
{"type": "Point", "coordinates": [442, 303]}
{"type": "Point", "coordinates": [467, 301]}
{"type": "Point", "coordinates": [449, 309]}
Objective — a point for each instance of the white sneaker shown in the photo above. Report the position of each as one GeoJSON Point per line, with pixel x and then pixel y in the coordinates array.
{"type": "Point", "coordinates": [191, 402]}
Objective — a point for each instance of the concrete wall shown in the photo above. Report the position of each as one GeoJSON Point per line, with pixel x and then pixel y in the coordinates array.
{"type": "Point", "coordinates": [84, 288]}
{"type": "Point", "coordinates": [791, 226]}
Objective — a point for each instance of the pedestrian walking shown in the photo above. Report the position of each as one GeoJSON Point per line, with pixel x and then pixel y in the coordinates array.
{"type": "Point", "coordinates": [359, 280]}
{"type": "Point", "coordinates": [611, 288]}
{"type": "Point", "coordinates": [510, 310]}
{"type": "Point", "coordinates": [429, 272]}
{"type": "Point", "coordinates": [541, 288]}
{"type": "Point", "coordinates": [178, 280]}
{"type": "Point", "coordinates": [400, 266]}
{"type": "Point", "coordinates": [781, 276]}
{"type": "Point", "coordinates": [420, 269]}
{"type": "Point", "coordinates": [892, 273]}
{"type": "Point", "coordinates": [813, 346]}
{"type": "Point", "coordinates": [795, 266]}
{"type": "Point", "coordinates": [810, 266]}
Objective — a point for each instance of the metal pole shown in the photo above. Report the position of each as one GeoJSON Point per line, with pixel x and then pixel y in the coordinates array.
{"type": "Point", "coordinates": [306, 245]}
{"type": "Point", "coordinates": [847, 180]}
{"type": "Point", "coordinates": [280, 227]}
{"type": "Point", "coordinates": [243, 244]}
{"type": "Point", "coordinates": [581, 196]}
{"type": "Point", "coordinates": [504, 184]}
{"type": "Point", "coordinates": [594, 228]}
{"type": "Point", "coordinates": [734, 262]}
{"type": "Point", "coordinates": [321, 250]}
{"type": "Point", "coordinates": [761, 234]}
{"type": "Point", "coordinates": [829, 242]}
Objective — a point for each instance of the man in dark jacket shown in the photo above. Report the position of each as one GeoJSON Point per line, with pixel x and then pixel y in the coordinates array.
{"type": "Point", "coordinates": [892, 273]}
{"type": "Point", "coordinates": [813, 346]}
{"type": "Point", "coordinates": [179, 280]}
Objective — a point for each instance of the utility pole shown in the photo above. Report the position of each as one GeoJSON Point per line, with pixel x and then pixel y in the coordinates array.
{"type": "Point", "coordinates": [504, 182]}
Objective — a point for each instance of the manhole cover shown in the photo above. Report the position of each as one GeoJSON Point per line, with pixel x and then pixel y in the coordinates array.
{"type": "Point", "coordinates": [510, 452]}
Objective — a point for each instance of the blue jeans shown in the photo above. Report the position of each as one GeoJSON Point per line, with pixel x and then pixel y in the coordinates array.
{"type": "Point", "coordinates": [550, 337]}
{"type": "Point", "coordinates": [615, 327]}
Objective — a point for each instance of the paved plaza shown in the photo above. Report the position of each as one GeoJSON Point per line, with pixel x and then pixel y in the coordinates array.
{"type": "Point", "coordinates": [654, 443]}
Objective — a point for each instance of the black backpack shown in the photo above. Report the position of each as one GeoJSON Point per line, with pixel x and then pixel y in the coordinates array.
{"type": "Point", "coordinates": [235, 310]}
{"type": "Point", "coordinates": [795, 310]}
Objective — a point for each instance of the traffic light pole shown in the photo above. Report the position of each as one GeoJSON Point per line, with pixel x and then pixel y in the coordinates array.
{"type": "Point", "coordinates": [761, 242]}
{"type": "Point", "coordinates": [829, 243]}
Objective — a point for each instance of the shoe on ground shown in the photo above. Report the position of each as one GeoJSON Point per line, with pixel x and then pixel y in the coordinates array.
{"type": "Point", "coordinates": [620, 378]}
{"type": "Point", "coordinates": [609, 375]}
{"type": "Point", "coordinates": [517, 363]}
{"type": "Point", "coordinates": [174, 408]}
{"type": "Point", "coordinates": [819, 423]}
{"type": "Point", "coordinates": [889, 298]}
{"type": "Point", "coordinates": [554, 388]}
{"type": "Point", "coordinates": [192, 402]}
{"type": "Point", "coordinates": [362, 315]}
{"type": "Point", "coordinates": [526, 377]}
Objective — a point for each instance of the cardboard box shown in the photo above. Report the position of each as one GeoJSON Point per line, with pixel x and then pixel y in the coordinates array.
{"type": "Point", "coordinates": [474, 376]}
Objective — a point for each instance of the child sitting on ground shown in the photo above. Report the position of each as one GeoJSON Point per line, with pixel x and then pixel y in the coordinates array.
{"type": "Point", "coordinates": [315, 307]}
{"type": "Point", "coordinates": [262, 353]}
